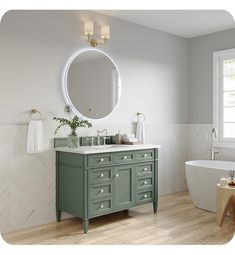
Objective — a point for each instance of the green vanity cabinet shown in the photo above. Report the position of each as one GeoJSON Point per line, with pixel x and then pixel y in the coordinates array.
{"type": "Point", "coordinates": [124, 187]}
{"type": "Point", "coordinates": [91, 185]}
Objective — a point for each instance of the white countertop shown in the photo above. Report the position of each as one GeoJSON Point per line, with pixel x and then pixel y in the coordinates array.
{"type": "Point", "coordinates": [107, 148]}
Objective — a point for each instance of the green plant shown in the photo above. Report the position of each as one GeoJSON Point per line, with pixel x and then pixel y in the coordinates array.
{"type": "Point", "coordinates": [73, 123]}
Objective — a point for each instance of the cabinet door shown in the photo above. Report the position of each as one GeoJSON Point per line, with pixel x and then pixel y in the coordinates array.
{"type": "Point", "coordinates": [124, 186]}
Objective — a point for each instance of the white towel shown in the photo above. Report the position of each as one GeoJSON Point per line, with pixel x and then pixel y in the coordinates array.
{"type": "Point", "coordinates": [140, 130]}
{"type": "Point", "coordinates": [35, 140]}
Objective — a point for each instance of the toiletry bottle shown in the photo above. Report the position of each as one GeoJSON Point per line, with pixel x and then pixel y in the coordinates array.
{"type": "Point", "coordinates": [118, 138]}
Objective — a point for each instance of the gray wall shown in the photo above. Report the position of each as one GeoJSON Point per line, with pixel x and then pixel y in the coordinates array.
{"type": "Point", "coordinates": [35, 45]}
{"type": "Point", "coordinates": [201, 73]}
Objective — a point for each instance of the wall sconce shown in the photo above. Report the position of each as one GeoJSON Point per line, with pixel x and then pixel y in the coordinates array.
{"type": "Point", "coordinates": [89, 31]}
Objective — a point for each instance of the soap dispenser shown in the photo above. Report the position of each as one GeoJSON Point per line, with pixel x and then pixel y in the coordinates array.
{"type": "Point", "coordinates": [118, 138]}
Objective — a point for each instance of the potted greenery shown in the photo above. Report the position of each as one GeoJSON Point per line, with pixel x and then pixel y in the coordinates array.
{"type": "Point", "coordinates": [74, 123]}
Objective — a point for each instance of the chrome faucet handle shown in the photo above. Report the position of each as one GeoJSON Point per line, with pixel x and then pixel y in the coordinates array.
{"type": "Point", "coordinates": [215, 152]}
{"type": "Point", "coordinates": [104, 140]}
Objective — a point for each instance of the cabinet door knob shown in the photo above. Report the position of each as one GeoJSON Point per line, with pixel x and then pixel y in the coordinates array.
{"type": "Point", "coordinates": [145, 155]}
{"type": "Point", "coordinates": [117, 175]}
{"type": "Point", "coordinates": [101, 206]}
{"type": "Point", "coordinates": [145, 182]}
{"type": "Point", "coordinates": [101, 159]}
{"type": "Point", "coordinates": [145, 169]}
{"type": "Point", "coordinates": [101, 175]}
{"type": "Point", "coordinates": [125, 157]}
{"type": "Point", "coordinates": [145, 195]}
{"type": "Point", "coordinates": [102, 191]}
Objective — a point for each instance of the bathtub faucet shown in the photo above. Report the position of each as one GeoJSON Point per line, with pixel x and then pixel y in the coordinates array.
{"type": "Point", "coordinates": [214, 132]}
{"type": "Point", "coordinates": [213, 151]}
{"type": "Point", "coordinates": [212, 148]}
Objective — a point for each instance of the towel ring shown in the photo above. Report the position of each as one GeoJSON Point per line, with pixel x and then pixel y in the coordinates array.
{"type": "Point", "coordinates": [34, 111]}
{"type": "Point", "coordinates": [138, 115]}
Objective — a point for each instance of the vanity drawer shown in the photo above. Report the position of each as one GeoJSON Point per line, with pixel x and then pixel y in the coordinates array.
{"type": "Point", "coordinates": [100, 175]}
{"type": "Point", "coordinates": [145, 196]}
{"type": "Point", "coordinates": [99, 160]}
{"type": "Point", "coordinates": [100, 207]}
{"type": "Point", "coordinates": [144, 155]}
{"type": "Point", "coordinates": [146, 168]}
{"type": "Point", "coordinates": [100, 190]}
{"type": "Point", "coordinates": [144, 182]}
{"type": "Point", "coordinates": [124, 157]}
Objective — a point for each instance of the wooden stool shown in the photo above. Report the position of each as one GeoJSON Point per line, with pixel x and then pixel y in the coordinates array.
{"type": "Point", "coordinates": [225, 202]}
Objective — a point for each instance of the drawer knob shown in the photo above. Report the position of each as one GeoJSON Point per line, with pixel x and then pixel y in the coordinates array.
{"type": "Point", "coordinates": [125, 157]}
{"type": "Point", "coordinates": [101, 175]}
{"type": "Point", "coordinates": [145, 155]}
{"type": "Point", "coordinates": [101, 206]}
{"type": "Point", "coordinates": [101, 159]}
{"type": "Point", "coordinates": [102, 191]}
{"type": "Point", "coordinates": [145, 195]}
{"type": "Point", "coordinates": [145, 169]}
{"type": "Point", "coordinates": [117, 175]}
{"type": "Point", "coordinates": [145, 182]}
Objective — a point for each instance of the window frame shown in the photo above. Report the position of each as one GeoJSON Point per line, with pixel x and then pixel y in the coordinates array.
{"type": "Point", "coordinates": [218, 58]}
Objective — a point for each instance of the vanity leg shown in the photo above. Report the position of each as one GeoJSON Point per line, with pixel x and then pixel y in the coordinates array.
{"type": "Point", "coordinates": [155, 207]}
{"type": "Point", "coordinates": [58, 215]}
{"type": "Point", "coordinates": [85, 225]}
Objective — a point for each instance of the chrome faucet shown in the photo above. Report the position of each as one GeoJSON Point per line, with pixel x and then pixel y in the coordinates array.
{"type": "Point", "coordinates": [98, 134]}
{"type": "Point", "coordinates": [212, 148]}
{"type": "Point", "coordinates": [214, 132]}
{"type": "Point", "coordinates": [213, 151]}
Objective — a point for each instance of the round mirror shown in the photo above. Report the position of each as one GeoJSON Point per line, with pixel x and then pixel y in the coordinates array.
{"type": "Point", "coordinates": [91, 84]}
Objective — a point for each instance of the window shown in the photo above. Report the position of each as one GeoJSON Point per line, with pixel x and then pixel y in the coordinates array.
{"type": "Point", "coordinates": [224, 97]}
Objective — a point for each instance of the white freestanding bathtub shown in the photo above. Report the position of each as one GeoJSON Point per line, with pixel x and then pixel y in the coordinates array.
{"type": "Point", "coordinates": [202, 177]}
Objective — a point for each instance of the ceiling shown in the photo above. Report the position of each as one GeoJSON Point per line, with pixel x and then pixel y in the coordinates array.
{"type": "Point", "coordinates": [184, 23]}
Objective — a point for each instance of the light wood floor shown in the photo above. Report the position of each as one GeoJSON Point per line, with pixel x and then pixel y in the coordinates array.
{"type": "Point", "coordinates": [177, 222]}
